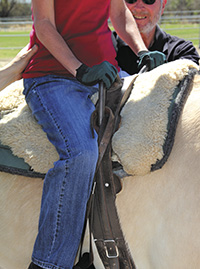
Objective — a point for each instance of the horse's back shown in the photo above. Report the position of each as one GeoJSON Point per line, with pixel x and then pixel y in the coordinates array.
{"type": "Point", "coordinates": [160, 212]}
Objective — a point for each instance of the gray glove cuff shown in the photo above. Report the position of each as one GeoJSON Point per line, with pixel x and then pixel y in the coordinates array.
{"type": "Point", "coordinates": [140, 53]}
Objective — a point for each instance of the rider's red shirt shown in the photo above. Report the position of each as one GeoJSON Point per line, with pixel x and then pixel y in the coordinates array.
{"type": "Point", "coordinates": [83, 25]}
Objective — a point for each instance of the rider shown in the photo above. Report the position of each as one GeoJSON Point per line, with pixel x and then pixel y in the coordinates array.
{"type": "Point", "coordinates": [75, 53]}
{"type": "Point", "coordinates": [147, 14]}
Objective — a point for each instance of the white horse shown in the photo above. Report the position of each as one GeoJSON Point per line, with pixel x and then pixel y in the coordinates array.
{"type": "Point", "coordinates": [159, 211]}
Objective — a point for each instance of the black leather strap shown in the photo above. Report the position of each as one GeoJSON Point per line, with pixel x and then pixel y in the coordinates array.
{"type": "Point", "coordinates": [102, 212]}
{"type": "Point", "coordinates": [104, 221]}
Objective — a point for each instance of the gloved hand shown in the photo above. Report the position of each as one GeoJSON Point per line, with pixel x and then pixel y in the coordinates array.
{"type": "Point", "coordinates": [151, 59]}
{"type": "Point", "coordinates": [89, 76]}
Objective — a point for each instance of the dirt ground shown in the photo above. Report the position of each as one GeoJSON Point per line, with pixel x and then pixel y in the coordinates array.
{"type": "Point", "coordinates": [3, 62]}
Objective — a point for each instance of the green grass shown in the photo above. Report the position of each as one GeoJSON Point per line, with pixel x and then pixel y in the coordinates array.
{"type": "Point", "coordinates": [187, 31]}
{"type": "Point", "coordinates": [12, 41]}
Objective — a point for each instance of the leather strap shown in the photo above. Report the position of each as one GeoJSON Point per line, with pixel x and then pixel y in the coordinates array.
{"type": "Point", "coordinates": [104, 221]}
{"type": "Point", "coordinates": [102, 213]}
{"type": "Point", "coordinates": [106, 227]}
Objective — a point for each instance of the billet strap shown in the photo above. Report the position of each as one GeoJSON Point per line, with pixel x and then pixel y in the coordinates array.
{"type": "Point", "coordinates": [105, 224]}
{"type": "Point", "coordinates": [106, 227]}
{"type": "Point", "coordinates": [104, 221]}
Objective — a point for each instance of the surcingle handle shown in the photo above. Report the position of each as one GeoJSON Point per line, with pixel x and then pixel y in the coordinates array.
{"type": "Point", "coordinates": [102, 101]}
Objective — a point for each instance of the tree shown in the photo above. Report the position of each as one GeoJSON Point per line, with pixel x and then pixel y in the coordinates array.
{"type": "Point", "coordinates": [181, 5]}
{"type": "Point", "coordinates": [6, 7]}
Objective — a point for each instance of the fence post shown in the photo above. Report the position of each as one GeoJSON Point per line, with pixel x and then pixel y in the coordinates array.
{"type": "Point", "coordinates": [199, 33]}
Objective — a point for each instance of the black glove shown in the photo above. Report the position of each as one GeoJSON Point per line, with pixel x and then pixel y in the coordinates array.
{"type": "Point", "coordinates": [151, 59]}
{"type": "Point", "coordinates": [90, 76]}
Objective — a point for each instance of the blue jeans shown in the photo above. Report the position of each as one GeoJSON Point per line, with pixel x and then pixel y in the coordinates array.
{"type": "Point", "coordinates": [63, 108]}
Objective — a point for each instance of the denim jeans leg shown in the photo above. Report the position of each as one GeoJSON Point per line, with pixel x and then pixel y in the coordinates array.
{"type": "Point", "coordinates": [63, 108]}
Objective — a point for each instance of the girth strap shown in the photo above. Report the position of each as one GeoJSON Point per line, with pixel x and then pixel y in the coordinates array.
{"type": "Point", "coordinates": [104, 221]}
{"type": "Point", "coordinates": [105, 224]}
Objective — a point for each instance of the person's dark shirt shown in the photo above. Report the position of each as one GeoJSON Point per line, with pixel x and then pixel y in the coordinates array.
{"type": "Point", "coordinates": [173, 47]}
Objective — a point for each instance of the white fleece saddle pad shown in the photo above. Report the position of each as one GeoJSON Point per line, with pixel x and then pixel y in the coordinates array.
{"type": "Point", "coordinates": [138, 144]}
{"type": "Point", "coordinates": [149, 118]}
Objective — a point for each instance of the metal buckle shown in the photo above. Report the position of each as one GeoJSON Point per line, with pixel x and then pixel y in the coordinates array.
{"type": "Point", "coordinates": [111, 249]}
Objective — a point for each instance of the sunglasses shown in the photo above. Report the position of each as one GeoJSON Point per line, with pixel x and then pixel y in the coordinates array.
{"type": "Point", "coordinates": [147, 2]}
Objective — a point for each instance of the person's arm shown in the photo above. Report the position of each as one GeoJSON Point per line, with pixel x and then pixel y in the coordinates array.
{"type": "Point", "coordinates": [125, 25]}
{"type": "Point", "coordinates": [45, 27]}
{"type": "Point", "coordinates": [127, 29]}
{"type": "Point", "coordinates": [44, 22]}
{"type": "Point", "coordinates": [14, 69]}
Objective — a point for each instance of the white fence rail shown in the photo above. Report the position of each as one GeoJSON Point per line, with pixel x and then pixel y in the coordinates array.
{"type": "Point", "coordinates": [190, 21]}
{"type": "Point", "coordinates": [184, 17]}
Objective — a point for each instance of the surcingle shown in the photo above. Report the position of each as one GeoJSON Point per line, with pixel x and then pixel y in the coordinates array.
{"type": "Point", "coordinates": [142, 143]}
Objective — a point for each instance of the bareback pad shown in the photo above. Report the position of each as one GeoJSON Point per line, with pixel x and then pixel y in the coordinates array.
{"type": "Point", "coordinates": [155, 95]}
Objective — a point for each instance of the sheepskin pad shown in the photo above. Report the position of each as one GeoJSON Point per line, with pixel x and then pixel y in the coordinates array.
{"type": "Point", "coordinates": [20, 131]}
{"type": "Point", "coordinates": [138, 143]}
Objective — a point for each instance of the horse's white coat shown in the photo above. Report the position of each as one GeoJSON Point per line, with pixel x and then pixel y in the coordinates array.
{"type": "Point", "coordinates": [159, 212]}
